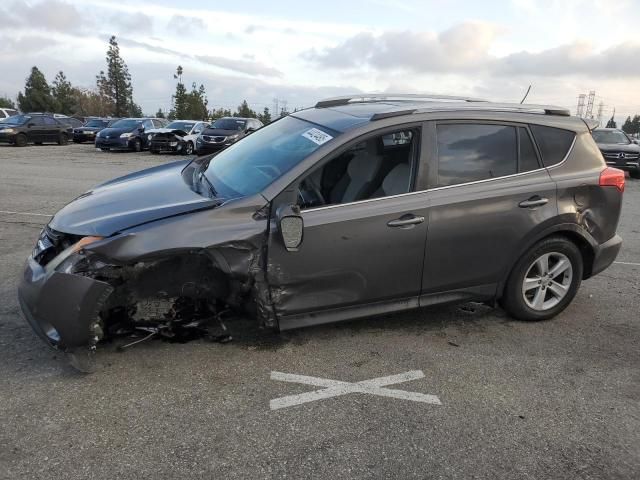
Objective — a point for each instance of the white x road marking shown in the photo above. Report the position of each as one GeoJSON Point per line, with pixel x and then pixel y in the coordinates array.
{"type": "Point", "coordinates": [335, 388]}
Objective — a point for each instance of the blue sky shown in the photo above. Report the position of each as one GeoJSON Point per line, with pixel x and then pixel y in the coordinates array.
{"type": "Point", "coordinates": [302, 51]}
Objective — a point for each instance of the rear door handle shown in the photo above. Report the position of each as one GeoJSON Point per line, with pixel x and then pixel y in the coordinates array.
{"type": "Point", "coordinates": [405, 221]}
{"type": "Point", "coordinates": [535, 201]}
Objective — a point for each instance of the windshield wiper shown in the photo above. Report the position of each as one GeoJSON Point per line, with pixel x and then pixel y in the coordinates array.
{"type": "Point", "coordinates": [212, 189]}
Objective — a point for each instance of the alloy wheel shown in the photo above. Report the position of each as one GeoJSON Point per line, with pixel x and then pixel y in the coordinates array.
{"type": "Point", "coordinates": [547, 281]}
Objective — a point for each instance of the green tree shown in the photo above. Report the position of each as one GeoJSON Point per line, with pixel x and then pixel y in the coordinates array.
{"type": "Point", "coordinates": [265, 116]}
{"type": "Point", "coordinates": [245, 111]}
{"type": "Point", "coordinates": [115, 83]}
{"type": "Point", "coordinates": [37, 94]}
{"type": "Point", "coordinates": [219, 113]}
{"type": "Point", "coordinates": [6, 102]}
{"type": "Point", "coordinates": [62, 91]}
{"type": "Point", "coordinates": [90, 103]}
{"type": "Point", "coordinates": [135, 110]}
{"type": "Point", "coordinates": [627, 126]}
{"type": "Point", "coordinates": [612, 123]}
{"type": "Point", "coordinates": [160, 113]}
{"type": "Point", "coordinates": [635, 124]}
{"type": "Point", "coordinates": [180, 100]}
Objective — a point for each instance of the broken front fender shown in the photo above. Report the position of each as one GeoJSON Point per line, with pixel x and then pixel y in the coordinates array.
{"type": "Point", "coordinates": [61, 307]}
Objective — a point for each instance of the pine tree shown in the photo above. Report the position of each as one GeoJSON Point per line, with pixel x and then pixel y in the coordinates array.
{"type": "Point", "coordinates": [635, 124]}
{"type": "Point", "coordinates": [6, 102]}
{"type": "Point", "coordinates": [265, 116]}
{"type": "Point", "coordinates": [612, 123]}
{"type": "Point", "coordinates": [160, 113]}
{"type": "Point", "coordinates": [37, 94]}
{"type": "Point", "coordinates": [626, 126]}
{"type": "Point", "coordinates": [62, 91]}
{"type": "Point", "coordinates": [245, 111]}
{"type": "Point", "coordinates": [115, 84]}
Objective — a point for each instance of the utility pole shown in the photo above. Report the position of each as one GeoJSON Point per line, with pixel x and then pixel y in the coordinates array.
{"type": "Point", "coordinates": [580, 109]}
{"type": "Point", "coordinates": [600, 109]}
{"type": "Point", "coordinates": [590, 100]}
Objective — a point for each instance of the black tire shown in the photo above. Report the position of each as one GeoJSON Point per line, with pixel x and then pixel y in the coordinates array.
{"type": "Point", "coordinates": [21, 140]}
{"type": "Point", "coordinates": [155, 152]}
{"type": "Point", "coordinates": [77, 141]}
{"type": "Point", "coordinates": [104, 149]}
{"type": "Point", "coordinates": [188, 149]}
{"type": "Point", "coordinates": [635, 173]}
{"type": "Point", "coordinates": [513, 300]}
{"type": "Point", "coordinates": [37, 143]}
{"type": "Point", "coordinates": [63, 139]}
{"type": "Point", "coordinates": [137, 145]}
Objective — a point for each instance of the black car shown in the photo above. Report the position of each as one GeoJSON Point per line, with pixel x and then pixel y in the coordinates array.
{"type": "Point", "coordinates": [224, 132]}
{"type": "Point", "coordinates": [618, 150]}
{"type": "Point", "coordinates": [355, 208]}
{"type": "Point", "coordinates": [35, 128]}
{"type": "Point", "coordinates": [128, 134]}
{"type": "Point", "coordinates": [88, 131]}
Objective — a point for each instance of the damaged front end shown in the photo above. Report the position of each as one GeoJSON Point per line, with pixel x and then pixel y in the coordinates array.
{"type": "Point", "coordinates": [170, 141]}
{"type": "Point", "coordinates": [75, 296]}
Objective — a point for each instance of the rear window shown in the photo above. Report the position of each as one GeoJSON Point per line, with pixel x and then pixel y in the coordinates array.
{"type": "Point", "coordinates": [554, 143]}
{"type": "Point", "coordinates": [472, 152]}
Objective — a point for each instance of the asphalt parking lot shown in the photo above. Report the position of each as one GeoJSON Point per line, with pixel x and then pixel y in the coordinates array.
{"type": "Point", "coordinates": [556, 399]}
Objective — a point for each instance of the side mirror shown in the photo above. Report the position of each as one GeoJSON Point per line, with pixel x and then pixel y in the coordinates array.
{"type": "Point", "coordinates": [291, 226]}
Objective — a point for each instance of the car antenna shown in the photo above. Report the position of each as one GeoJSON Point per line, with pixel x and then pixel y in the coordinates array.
{"type": "Point", "coordinates": [526, 94]}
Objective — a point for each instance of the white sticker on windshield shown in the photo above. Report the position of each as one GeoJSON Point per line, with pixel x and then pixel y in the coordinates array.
{"type": "Point", "coordinates": [317, 136]}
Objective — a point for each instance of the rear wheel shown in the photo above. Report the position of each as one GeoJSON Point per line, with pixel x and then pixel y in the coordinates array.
{"type": "Point", "coordinates": [63, 139]}
{"type": "Point", "coordinates": [21, 140]}
{"type": "Point", "coordinates": [544, 281]}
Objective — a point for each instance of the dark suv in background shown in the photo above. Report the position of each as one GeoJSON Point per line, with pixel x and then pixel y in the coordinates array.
{"type": "Point", "coordinates": [618, 150]}
{"type": "Point", "coordinates": [128, 134]}
{"type": "Point", "coordinates": [361, 206]}
{"type": "Point", "coordinates": [225, 132]}
{"type": "Point", "coordinates": [35, 128]}
{"type": "Point", "coordinates": [88, 131]}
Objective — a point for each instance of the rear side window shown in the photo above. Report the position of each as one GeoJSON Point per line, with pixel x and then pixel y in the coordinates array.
{"type": "Point", "coordinates": [472, 152]}
{"type": "Point", "coordinates": [50, 121]}
{"type": "Point", "coordinates": [554, 143]}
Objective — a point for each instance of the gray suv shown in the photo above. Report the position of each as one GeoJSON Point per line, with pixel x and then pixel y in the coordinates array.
{"type": "Point", "coordinates": [357, 207]}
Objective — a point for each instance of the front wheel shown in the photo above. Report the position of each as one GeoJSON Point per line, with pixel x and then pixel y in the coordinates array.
{"type": "Point", "coordinates": [21, 140]}
{"type": "Point", "coordinates": [137, 145]}
{"type": "Point", "coordinates": [63, 139]}
{"type": "Point", "coordinates": [188, 148]}
{"type": "Point", "coordinates": [544, 281]}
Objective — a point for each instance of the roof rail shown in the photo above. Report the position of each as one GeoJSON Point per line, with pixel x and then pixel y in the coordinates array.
{"type": "Point", "coordinates": [383, 97]}
{"type": "Point", "coordinates": [503, 107]}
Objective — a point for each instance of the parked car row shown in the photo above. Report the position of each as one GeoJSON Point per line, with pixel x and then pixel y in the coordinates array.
{"type": "Point", "coordinates": [35, 128]}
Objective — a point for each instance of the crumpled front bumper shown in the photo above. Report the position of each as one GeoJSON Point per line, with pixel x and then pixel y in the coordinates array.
{"type": "Point", "coordinates": [61, 307]}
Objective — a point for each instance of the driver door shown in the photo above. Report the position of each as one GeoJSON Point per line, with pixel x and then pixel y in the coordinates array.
{"type": "Point", "coordinates": [363, 243]}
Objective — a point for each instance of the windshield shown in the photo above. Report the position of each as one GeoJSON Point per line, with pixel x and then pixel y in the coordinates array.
{"type": "Point", "coordinates": [16, 120]}
{"type": "Point", "coordinates": [610, 136]}
{"type": "Point", "coordinates": [127, 123]}
{"type": "Point", "coordinates": [248, 166]}
{"type": "Point", "coordinates": [229, 124]}
{"type": "Point", "coordinates": [96, 123]}
{"type": "Point", "coordinates": [185, 126]}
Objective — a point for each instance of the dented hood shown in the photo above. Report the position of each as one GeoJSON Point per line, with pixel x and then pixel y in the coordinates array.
{"type": "Point", "coordinates": [134, 199]}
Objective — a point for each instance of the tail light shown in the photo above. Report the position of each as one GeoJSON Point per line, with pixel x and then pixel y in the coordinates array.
{"type": "Point", "coordinates": [612, 177]}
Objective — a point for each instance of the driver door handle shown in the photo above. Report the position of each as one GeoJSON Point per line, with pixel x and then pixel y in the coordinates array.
{"type": "Point", "coordinates": [405, 221]}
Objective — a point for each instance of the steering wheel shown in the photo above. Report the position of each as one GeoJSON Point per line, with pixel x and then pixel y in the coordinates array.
{"type": "Point", "coordinates": [310, 194]}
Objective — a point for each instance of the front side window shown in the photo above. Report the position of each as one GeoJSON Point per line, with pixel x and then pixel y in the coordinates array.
{"type": "Point", "coordinates": [37, 121]}
{"type": "Point", "coordinates": [253, 163]}
{"type": "Point", "coordinates": [50, 121]}
{"type": "Point", "coordinates": [473, 152]}
{"type": "Point", "coordinates": [380, 166]}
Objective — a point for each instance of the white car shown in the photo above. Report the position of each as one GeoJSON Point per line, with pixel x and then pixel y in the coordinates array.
{"type": "Point", "coordinates": [179, 136]}
{"type": "Point", "coordinates": [7, 112]}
